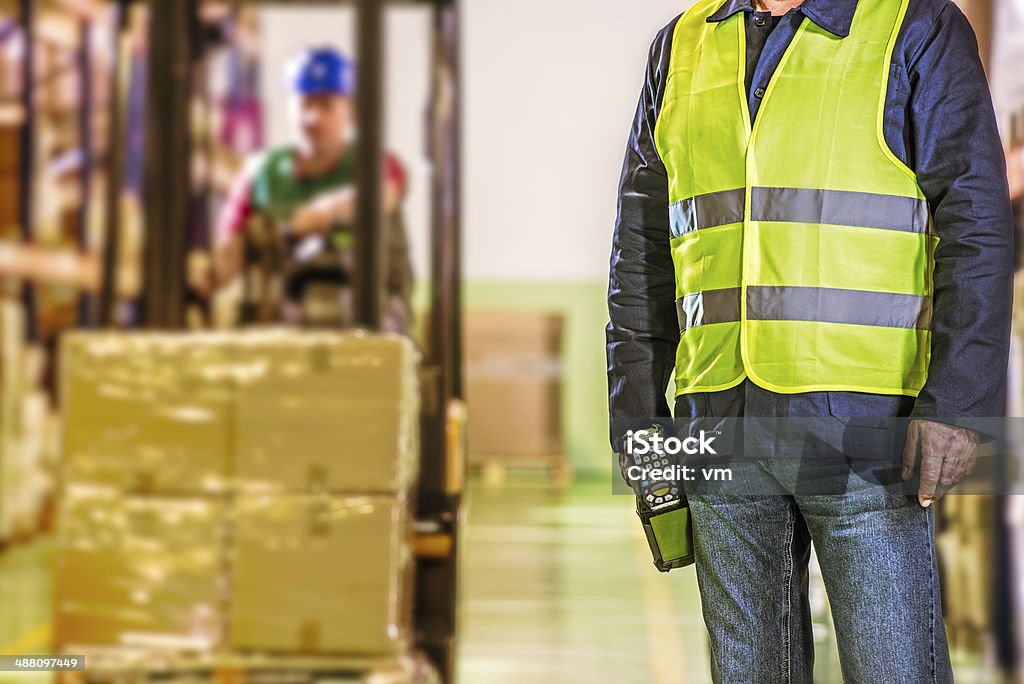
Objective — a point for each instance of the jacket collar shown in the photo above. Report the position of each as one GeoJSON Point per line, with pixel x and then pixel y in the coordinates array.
{"type": "Point", "coordinates": [835, 16]}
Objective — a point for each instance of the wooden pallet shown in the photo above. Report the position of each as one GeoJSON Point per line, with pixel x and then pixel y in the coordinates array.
{"type": "Point", "coordinates": [497, 470]}
{"type": "Point", "coordinates": [118, 666]}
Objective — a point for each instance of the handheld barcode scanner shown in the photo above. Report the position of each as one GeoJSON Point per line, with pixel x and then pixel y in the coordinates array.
{"type": "Point", "coordinates": [661, 504]}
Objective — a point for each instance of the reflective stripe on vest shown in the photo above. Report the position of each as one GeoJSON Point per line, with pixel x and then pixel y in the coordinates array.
{"type": "Point", "coordinates": [822, 304]}
{"type": "Point", "coordinates": [800, 205]}
{"type": "Point", "coordinates": [802, 246]}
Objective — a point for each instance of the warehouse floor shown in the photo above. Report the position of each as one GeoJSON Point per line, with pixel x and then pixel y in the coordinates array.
{"type": "Point", "coordinates": [558, 588]}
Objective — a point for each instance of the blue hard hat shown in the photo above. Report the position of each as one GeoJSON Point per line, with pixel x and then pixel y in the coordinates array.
{"type": "Point", "coordinates": [321, 70]}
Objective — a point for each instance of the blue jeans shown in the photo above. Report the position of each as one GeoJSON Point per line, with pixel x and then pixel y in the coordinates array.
{"type": "Point", "coordinates": [877, 557]}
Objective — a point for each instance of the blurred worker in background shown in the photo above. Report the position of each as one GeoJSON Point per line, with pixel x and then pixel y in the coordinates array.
{"type": "Point", "coordinates": [288, 226]}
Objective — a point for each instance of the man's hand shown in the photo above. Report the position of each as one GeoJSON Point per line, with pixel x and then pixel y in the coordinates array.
{"type": "Point", "coordinates": [326, 211]}
{"type": "Point", "coordinates": [338, 208]}
{"type": "Point", "coordinates": [947, 455]}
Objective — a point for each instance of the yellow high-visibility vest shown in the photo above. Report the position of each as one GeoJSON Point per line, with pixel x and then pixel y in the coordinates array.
{"type": "Point", "coordinates": [802, 246]}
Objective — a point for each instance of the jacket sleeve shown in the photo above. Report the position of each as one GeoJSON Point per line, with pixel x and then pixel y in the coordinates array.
{"type": "Point", "coordinates": [961, 169]}
{"type": "Point", "coordinates": [642, 334]}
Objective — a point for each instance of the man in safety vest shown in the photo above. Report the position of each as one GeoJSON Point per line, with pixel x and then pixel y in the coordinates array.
{"type": "Point", "coordinates": [814, 224]}
{"type": "Point", "coordinates": [304, 195]}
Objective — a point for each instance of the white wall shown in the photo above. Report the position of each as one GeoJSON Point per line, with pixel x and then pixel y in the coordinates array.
{"type": "Point", "coordinates": [551, 89]}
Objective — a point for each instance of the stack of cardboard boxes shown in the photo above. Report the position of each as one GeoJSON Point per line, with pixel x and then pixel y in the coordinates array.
{"type": "Point", "coordinates": [514, 387]}
{"type": "Point", "coordinates": [326, 452]}
{"type": "Point", "coordinates": [27, 444]}
{"type": "Point", "coordinates": [141, 519]}
{"type": "Point", "coordinates": [237, 493]}
{"type": "Point", "coordinates": [964, 543]}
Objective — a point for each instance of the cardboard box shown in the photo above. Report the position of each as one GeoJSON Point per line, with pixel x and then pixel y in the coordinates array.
{"type": "Point", "coordinates": [516, 334]}
{"type": "Point", "coordinates": [147, 413]}
{"type": "Point", "coordinates": [335, 412]}
{"type": "Point", "coordinates": [138, 571]}
{"type": "Point", "coordinates": [513, 416]}
{"type": "Point", "coordinates": [320, 574]}
{"type": "Point", "coordinates": [514, 385]}
{"type": "Point", "coordinates": [12, 393]}
{"type": "Point", "coordinates": [274, 409]}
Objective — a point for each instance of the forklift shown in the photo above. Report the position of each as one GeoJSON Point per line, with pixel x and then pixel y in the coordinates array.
{"type": "Point", "coordinates": [438, 501]}
{"type": "Point", "coordinates": [176, 52]}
